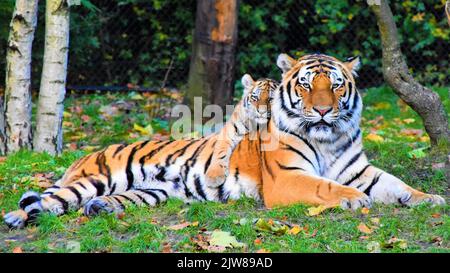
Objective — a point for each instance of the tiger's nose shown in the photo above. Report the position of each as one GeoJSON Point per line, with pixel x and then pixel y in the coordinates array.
{"type": "Point", "coordinates": [322, 110]}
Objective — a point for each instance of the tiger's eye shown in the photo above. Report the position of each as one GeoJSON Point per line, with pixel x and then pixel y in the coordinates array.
{"type": "Point", "coordinates": [334, 86]}
{"type": "Point", "coordinates": [306, 85]}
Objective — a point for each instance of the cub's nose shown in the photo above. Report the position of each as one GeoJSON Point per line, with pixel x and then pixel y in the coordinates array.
{"type": "Point", "coordinates": [322, 110]}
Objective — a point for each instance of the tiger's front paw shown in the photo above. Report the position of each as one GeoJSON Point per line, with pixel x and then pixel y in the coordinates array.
{"type": "Point", "coordinates": [16, 219]}
{"type": "Point", "coordinates": [216, 175]}
{"type": "Point", "coordinates": [354, 199]}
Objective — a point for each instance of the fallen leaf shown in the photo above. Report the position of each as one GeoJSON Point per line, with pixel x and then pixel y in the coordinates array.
{"type": "Point", "coordinates": [121, 215]}
{"type": "Point", "coordinates": [167, 248]}
{"type": "Point", "coordinates": [436, 215]}
{"type": "Point", "coordinates": [365, 211]}
{"type": "Point", "coordinates": [313, 211]}
{"type": "Point", "coordinates": [364, 228]}
{"type": "Point", "coordinates": [381, 106]}
{"type": "Point", "coordinates": [374, 137]}
{"type": "Point", "coordinates": [374, 247]}
{"type": "Point", "coordinates": [437, 166]}
{"type": "Point", "coordinates": [224, 239]}
{"type": "Point", "coordinates": [295, 230]}
{"type": "Point", "coordinates": [147, 130]}
{"type": "Point", "coordinates": [396, 242]}
{"type": "Point", "coordinates": [375, 220]}
{"type": "Point", "coordinates": [81, 220]}
{"type": "Point", "coordinates": [17, 249]}
{"type": "Point", "coordinates": [257, 241]}
{"type": "Point", "coordinates": [271, 226]}
{"type": "Point", "coordinates": [411, 132]}
{"type": "Point", "coordinates": [85, 118]}
{"type": "Point", "coordinates": [179, 226]}
{"type": "Point", "coordinates": [409, 120]}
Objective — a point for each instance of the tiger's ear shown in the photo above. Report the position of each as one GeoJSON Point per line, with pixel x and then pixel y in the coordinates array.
{"type": "Point", "coordinates": [247, 82]}
{"type": "Point", "coordinates": [285, 62]}
{"type": "Point", "coordinates": [353, 64]}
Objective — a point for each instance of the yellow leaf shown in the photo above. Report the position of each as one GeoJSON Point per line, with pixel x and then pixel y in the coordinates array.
{"type": "Point", "coordinates": [313, 211]}
{"type": "Point", "coordinates": [295, 230]}
{"type": "Point", "coordinates": [364, 228]}
{"type": "Point", "coordinates": [67, 114]}
{"type": "Point", "coordinates": [375, 220]}
{"type": "Point", "coordinates": [374, 137]}
{"type": "Point", "coordinates": [147, 130]}
{"type": "Point", "coordinates": [382, 106]}
{"type": "Point", "coordinates": [408, 120]}
{"type": "Point", "coordinates": [365, 211]}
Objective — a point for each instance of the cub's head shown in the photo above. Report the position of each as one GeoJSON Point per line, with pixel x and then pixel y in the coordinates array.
{"type": "Point", "coordinates": [317, 97]}
{"type": "Point", "coordinates": [257, 97]}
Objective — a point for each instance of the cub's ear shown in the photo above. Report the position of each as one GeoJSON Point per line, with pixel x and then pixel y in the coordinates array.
{"type": "Point", "coordinates": [247, 81]}
{"type": "Point", "coordinates": [353, 64]}
{"type": "Point", "coordinates": [285, 62]}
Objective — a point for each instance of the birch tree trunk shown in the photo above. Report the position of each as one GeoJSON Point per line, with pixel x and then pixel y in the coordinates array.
{"type": "Point", "coordinates": [17, 100]}
{"type": "Point", "coordinates": [395, 70]}
{"type": "Point", "coordinates": [48, 136]}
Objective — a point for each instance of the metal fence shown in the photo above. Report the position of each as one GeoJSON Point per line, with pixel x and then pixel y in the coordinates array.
{"type": "Point", "coordinates": [147, 43]}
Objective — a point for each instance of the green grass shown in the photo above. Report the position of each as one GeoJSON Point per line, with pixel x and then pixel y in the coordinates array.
{"type": "Point", "coordinates": [142, 229]}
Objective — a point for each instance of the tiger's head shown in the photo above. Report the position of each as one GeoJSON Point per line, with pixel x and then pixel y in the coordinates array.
{"type": "Point", "coordinates": [257, 97]}
{"type": "Point", "coordinates": [317, 96]}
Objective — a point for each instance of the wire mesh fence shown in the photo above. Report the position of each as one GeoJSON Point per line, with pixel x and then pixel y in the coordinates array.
{"type": "Point", "coordinates": [147, 44]}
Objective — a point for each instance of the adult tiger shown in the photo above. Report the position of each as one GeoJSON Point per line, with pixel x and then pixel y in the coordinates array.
{"type": "Point", "coordinates": [319, 159]}
{"type": "Point", "coordinates": [149, 172]}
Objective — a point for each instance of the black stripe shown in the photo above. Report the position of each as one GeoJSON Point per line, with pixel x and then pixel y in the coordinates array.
{"type": "Point", "coordinates": [28, 201]}
{"type": "Point", "coordinates": [161, 191]}
{"type": "Point", "coordinates": [221, 194]}
{"type": "Point", "coordinates": [141, 198]}
{"type": "Point", "coordinates": [127, 198]}
{"type": "Point", "coordinates": [208, 162]}
{"type": "Point", "coordinates": [180, 152]}
{"type": "Point", "coordinates": [306, 142]}
{"type": "Point", "coordinates": [120, 148]}
{"type": "Point", "coordinates": [283, 167]}
{"type": "Point", "coordinates": [129, 172]}
{"type": "Point", "coordinates": [356, 176]}
{"type": "Point", "coordinates": [99, 186]}
{"type": "Point", "coordinates": [289, 147]}
{"type": "Point", "coordinates": [199, 188]}
{"type": "Point", "coordinates": [349, 163]}
{"type": "Point", "coordinates": [152, 194]}
{"type": "Point", "coordinates": [81, 185]}
{"type": "Point", "coordinates": [118, 201]}
{"type": "Point", "coordinates": [76, 193]}
{"type": "Point", "coordinates": [63, 202]}
{"type": "Point", "coordinates": [113, 189]}
{"type": "Point", "coordinates": [374, 181]}
{"type": "Point", "coordinates": [161, 174]}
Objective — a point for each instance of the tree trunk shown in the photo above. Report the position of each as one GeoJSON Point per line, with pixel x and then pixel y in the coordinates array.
{"type": "Point", "coordinates": [48, 136]}
{"type": "Point", "coordinates": [211, 73]}
{"type": "Point", "coordinates": [421, 99]}
{"type": "Point", "coordinates": [17, 101]}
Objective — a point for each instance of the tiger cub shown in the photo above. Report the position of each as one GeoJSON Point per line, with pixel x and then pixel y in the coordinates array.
{"type": "Point", "coordinates": [252, 110]}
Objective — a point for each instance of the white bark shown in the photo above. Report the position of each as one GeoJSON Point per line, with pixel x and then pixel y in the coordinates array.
{"type": "Point", "coordinates": [17, 102]}
{"type": "Point", "coordinates": [48, 136]}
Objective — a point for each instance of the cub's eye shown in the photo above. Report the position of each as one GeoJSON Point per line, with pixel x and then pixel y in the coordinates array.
{"type": "Point", "coordinates": [306, 85]}
{"type": "Point", "coordinates": [335, 85]}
